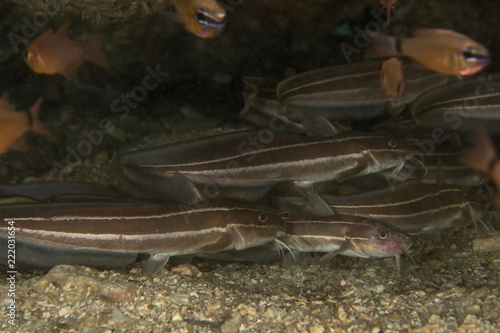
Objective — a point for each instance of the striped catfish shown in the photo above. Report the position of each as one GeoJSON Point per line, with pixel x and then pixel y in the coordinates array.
{"type": "Point", "coordinates": [435, 163]}
{"type": "Point", "coordinates": [461, 106]}
{"type": "Point", "coordinates": [245, 165]}
{"type": "Point", "coordinates": [350, 236]}
{"type": "Point", "coordinates": [335, 235]}
{"type": "Point", "coordinates": [262, 108]}
{"type": "Point", "coordinates": [350, 92]}
{"type": "Point", "coordinates": [102, 234]}
{"type": "Point", "coordinates": [412, 206]}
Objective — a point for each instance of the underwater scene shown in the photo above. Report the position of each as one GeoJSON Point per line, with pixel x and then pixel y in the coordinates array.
{"type": "Point", "coordinates": [249, 166]}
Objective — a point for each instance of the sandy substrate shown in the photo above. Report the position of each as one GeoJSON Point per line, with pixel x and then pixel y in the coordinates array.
{"type": "Point", "coordinates": [451, 288]}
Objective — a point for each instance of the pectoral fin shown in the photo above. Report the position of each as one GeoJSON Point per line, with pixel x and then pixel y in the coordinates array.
{"type": "Point", "coordinates": [222, 244]}
{"type": "Point", "coordinates": [154, 264]}
{"type": "Point", "coordinates": [329, 256]}
{"type": "Point", "coordinates": [352, 172]}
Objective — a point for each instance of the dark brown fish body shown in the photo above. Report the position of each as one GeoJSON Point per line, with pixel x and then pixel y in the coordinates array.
{"type": "Point", "coordinates": [348, 235]}
{"type": "Point", "coordinates": [139, 228]}
{"type": "Point", "coordinates": [461, 106]}
{"type": "Point", "coordinates": [412, 206]}
{"type": "Point", "coordinates": [50, 190]}
{"type": "Point", "coordinates": [350, 92]}
{"type": "Point", "coordinates": [435, 164]}
{"type": "Point", "coordinates": [335, 235]}
{"type": "Point", "coordinates": [263, 164]}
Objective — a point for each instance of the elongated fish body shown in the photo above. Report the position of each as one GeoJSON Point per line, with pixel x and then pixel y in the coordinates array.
{"type": "Point", "coordinates": [250, 161]}
{"type": "Point", "coordinates": [435, 164]}
{"type": "Point", "coordinates": [352, 236]}
{"type": "Point", "coordinates": [115, 229]}
{"type": "Point", "coordinates": [412, 206]}
{"type": "Point", "coordinates": [335, 235]}
{"type": "Point", "coordinates": [461, 106]}
{"type": "Point", "coordinates": [351, 92]}
{"type": "Point", "coordinates": [43, 191]}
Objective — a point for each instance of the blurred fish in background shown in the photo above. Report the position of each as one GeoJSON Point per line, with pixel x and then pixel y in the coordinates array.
{"type": "Point", "coordinates": [203, 18]}
{"type": "Point", "coordinates": [442, 50]}
{"type": "Point", "coordinates": [14, 124]}
{"type": "Point", "coordinates": [54, 53]}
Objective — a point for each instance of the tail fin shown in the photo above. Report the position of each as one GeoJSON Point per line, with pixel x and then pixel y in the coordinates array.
{"type": "Point", "coordinates": [383, 46]}
{"type": "Point", "coordinates": [483, 154]}
{"type": "Point", "coordinates": [35, 122]}
{"type": "Point", "coordinates": [93, 52]}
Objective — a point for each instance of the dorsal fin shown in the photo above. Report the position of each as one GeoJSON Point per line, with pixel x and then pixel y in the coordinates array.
{"type": "Point", "coordinates": [62, 31]}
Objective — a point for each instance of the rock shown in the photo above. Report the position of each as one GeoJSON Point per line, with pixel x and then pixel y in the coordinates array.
{"type": "Point", "coordinates": [489, 244]}
{"type": "Point", "coordinates": [70, 278]}
{"type": "Point", "coordinates": [231, 325]}
{"type": "Point", "coordinates": [187, 270]}
{"type": "Point", "coordinates": [213, 306]}
{"type": "Point", "coordinates": [64, 311]}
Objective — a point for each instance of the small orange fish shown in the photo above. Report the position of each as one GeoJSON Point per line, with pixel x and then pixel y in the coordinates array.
{"type": "Point", "coordinates": [14, 124]}
{"type": "Point", "coordinates": [55, 53]}
{"type": "Point", "coordinates": [483, 157]}
{"type": "Point", "coordinates": [388, 5]}
{"type": "Point", "coordinates": [444, 51]}
{"type": "Point", "coordinates": [203, 18]}
{"type": "Point", "coordinates": [391, 78]}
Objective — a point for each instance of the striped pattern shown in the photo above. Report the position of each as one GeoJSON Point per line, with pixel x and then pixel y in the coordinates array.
{"type": "Point", "coordinates": [290, 158]}
{"type": "Point", "coordinates": [412, 206]}
{"type": "Point", "coordinates": [353, 86]}
{"type": "Point", "coordinates": [354, 236]}
{"type": "Point", "coordinates": [149, 228]}
{"type": "Point", "coordinates": [460, 106]}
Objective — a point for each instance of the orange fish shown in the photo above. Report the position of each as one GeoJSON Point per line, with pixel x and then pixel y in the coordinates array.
{"type": "Point", "coordinates": [444, 51]}
{"type": "Point", "coordinates": [388, 5]}
{"type": "Point", "coordinates": [483, 157]}
{"type": "Point", "coordinates": [391, 78]}
{"type": "Point", "coordinates": [14, 124]}
{"type": "Point", "coordinates": [203, 18]}
{"type": "Point", "coordinates": [55, 53]}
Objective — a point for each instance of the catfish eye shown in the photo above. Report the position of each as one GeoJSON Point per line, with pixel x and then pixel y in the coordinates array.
{"type": "Point", "coordinates": [383, 234]}
{"type": "Point", "coordinates": [392, 143]}
{"type": "Point", "coordinates": [262, 218]}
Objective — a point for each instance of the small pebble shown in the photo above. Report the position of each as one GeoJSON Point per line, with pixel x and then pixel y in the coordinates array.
{"type": "Point", "coordinates": [213, 306]}
{"type": "Point", "coordinates": [64, 311]}
{"type": "Point", "coordinates": [231, 325]}
{"type": "Point", "coordinates": [187, 270]}
{"type": "Point", "coordinates": [486, 244]}
{"type": "Point", "coordinates": [177, 317]}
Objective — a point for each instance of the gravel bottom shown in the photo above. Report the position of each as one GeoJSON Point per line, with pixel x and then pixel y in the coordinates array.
{"type": "Point", "coordinates": [452, 287]}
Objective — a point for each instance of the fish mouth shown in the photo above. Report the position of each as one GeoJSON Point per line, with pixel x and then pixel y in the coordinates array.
{"type": "Point", "coordinates": [217, 20]}
{"type": "Point", "coordinates": [476, 55]}
{"type": "Point", "coordinates": [478, 59]}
